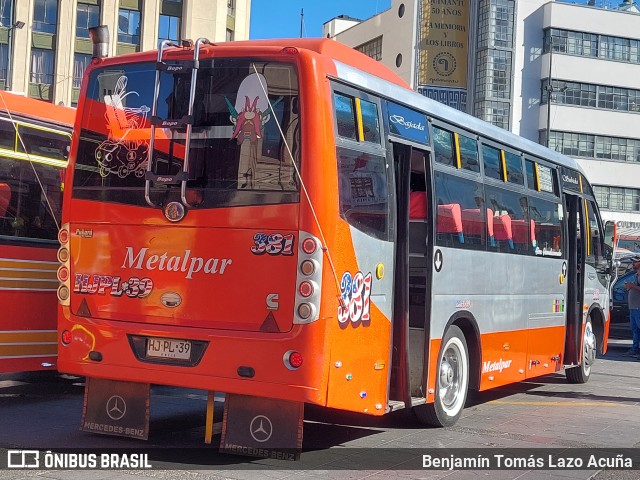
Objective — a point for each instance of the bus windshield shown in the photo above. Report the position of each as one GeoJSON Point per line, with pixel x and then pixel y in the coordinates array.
{"type": "Point", "coordinates": [242, 140]}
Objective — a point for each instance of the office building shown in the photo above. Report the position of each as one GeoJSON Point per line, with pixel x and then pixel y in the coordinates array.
{"type": "Point", "coordinates": [45, 46]}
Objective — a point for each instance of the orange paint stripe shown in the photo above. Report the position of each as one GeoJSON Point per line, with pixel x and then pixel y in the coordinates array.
{"type": "Point", "coordinates": [26, 350]}
{"type": "Point", "coordinates": [25, 264]}
{"type": "Point", "coordinates": [28, 337]}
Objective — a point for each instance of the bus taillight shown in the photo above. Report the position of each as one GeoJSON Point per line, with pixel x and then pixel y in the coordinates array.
{"type": "Point", "coordinates": [63, 235]}
{"type": "Point", "coordinates": [63, 270]}
{"type": "Point", "coordinates": [63, 255]}
{"type": "Point", "coordinates": [63, 294]}
{"type": "Point", "coordinates": [308, 267]}
{"type": "Point", "coordinates": [305, 310]}
{"type": "Point", "coordinates": [309, 279]}
{"type": "Point", "coordinates": [309, 246]}
{"type": "Point", "coordinates": [63, 274]}
{"type": "Point", "coordinates": [306, 289]}
{"type": "Point", "coordinates": [292, 359]}
{"type": "Point", "coordinates": [66, 337]}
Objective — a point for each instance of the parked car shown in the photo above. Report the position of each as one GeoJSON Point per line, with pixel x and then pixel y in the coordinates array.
{"type": "Point", "coordinates": [620, 309]}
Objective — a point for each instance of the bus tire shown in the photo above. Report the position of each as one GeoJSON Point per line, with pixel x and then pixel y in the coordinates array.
{"type": "Point", "coordinates": [452, 382]}
{"type": "Point", "coordinates": [582, 372]}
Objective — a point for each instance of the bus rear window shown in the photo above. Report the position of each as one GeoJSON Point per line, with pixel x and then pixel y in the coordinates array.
{"type": "Point", "coordinates": [244, 144]}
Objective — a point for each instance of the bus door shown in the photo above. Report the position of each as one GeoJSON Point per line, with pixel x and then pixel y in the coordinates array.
{"type": "Point", "coordinates": [574, 277]}
{"type": "Point", "coordinates": [411, 311]}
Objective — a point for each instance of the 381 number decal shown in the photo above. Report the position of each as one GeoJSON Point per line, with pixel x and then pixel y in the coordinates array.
{"type": "Point", "coordinates": [356, 297]}
{"type": "Point", "coordinates": [272, 244]}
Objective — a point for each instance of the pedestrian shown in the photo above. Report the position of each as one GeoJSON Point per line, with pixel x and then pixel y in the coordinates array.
{"type": "Point", "coordinates": [633, 299]}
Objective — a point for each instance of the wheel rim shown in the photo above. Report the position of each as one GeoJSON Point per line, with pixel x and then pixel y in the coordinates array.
{"type": "Point", "coordinates": [589, 349]}
{"type": "Point", "coordinates": [452, 377]}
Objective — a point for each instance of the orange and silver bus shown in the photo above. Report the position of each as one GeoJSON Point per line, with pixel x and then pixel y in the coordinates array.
{"type": "Point", "coordinates": [286, 222]}
{"type": "Point", "coordinates": [34, 145]}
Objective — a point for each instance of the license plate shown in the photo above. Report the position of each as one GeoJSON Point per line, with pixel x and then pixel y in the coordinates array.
{"type": "Point", "coordinates": [168, 348]}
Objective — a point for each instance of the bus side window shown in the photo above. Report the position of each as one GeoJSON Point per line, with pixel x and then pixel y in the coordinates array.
{"type": "Point", "coordinates": [514, 168]}
{"type": "Point", "coordinates": [443, 146]}
{"type": "Point", "coordinates": [345, 115]}
{"type": "Point", "coordinates": [492, 162]}
{"type": "Point", "coordinates": [596, 250]}
{"type": "Point", "coordinates": [461, 213]}
{"type": "Point", "coordinates": [510, 217]}
{"type": "Point", "coordinates": [548, 227]}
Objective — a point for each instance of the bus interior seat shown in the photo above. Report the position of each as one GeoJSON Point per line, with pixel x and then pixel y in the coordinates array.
{"type": "Point", "coordinates": [503, 230]}
{"type": "Point", "coordinates": [450, 220]}
{"type": "Point", "coordinates": [5, 198]}
{"type": "Point", "coordinates": [418, 206]}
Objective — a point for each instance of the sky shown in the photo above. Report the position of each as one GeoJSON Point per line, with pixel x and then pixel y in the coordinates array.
{"type": "Point", "coordinates": [281, 18]}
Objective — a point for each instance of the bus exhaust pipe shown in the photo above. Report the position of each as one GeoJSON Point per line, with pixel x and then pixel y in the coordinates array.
{"type": "Point", "coordinates": [100, 39]}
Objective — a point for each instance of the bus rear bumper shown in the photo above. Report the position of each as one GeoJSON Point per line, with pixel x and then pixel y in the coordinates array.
{"type": "Point", "coordinates": [245, 363]}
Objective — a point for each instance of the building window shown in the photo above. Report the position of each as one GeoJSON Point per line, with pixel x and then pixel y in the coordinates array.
{"type": "Point", "coordinates": [231, 7]}
{"type": "Point", "coordinates": [4, 62]}
{"type": "Point", "coordinates": [45, 16]}
{"type": "Point", "coordinates": [493, 112]}
{"type": "Point", "coordinates": [129, 26]}
{"type": "Point", "coordinates": [6, 12]}
{"type": "Point", "coordinates": [229, 37]}
{"type": "Point", "coordinates": [87, 16]}
{"type": "Point", "coordinates": [169, 29]}
{"type": "Point", "coordinates": [42, 66]}
{"type": "Point", "coordinates": [372, 48]}
{"type": "Point", "coordinates": [617, 198]}
{"type": "Point", "coordinates": [80, 62]}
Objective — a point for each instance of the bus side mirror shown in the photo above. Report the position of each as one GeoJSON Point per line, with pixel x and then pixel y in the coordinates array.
{"type": "Point", "coordinates": [611, 239]}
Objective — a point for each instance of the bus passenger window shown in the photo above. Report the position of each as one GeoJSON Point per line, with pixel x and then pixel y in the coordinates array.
{"type": "Point", "coordinates": [492, 162]}
{"type": "Point", "coordinates": [548, 227]}
{"type": "Point", "coordinates": [514, 168]}
{"type": "Point", "coordinates": [596, 251]}
{"type": "Point", "coordinates": [510, 221]}
{"type": "Point", "coordinates": [443, 146]}
{"type": "Point", "coordinates": [531, 175]}
{"type": "Point", "coordinates": [345, 115]}
{"type": "Point", "coordinates": [469, 153]}
{"type": "Point", "coordinates": [363, 188]}
{"type": "Point", "coordinates": [460, 220]}
{"type": "Point", "coordinates": [370, 122]}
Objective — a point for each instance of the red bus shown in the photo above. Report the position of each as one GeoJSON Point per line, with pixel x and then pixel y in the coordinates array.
{"type": "Point", "coordinates": [34, 145]}
{"type": "Point", "coordinates": [248, 226]}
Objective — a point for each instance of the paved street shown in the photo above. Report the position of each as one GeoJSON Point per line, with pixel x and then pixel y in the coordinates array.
{"type": "Point", "coordinates": [43, 411]}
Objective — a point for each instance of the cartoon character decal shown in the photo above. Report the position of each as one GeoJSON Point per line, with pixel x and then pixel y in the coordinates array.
{"type": "Point", "coordinates": [249, 116]}
{"type": "Point", "coordinates": [251, 111]}
{"type": "Point", "coordinates": [120, 154]}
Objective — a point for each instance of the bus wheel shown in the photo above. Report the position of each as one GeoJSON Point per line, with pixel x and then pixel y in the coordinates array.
{"type": "Point", "coordinates": [452, 382]}
{"type": "Point", "coordinates": [582, 372]}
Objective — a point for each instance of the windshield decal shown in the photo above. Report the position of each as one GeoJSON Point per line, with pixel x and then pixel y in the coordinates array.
{"type": "Point", "coordinates": [251, 111]}
{"type": "Point", "coordinates": [120, 154]}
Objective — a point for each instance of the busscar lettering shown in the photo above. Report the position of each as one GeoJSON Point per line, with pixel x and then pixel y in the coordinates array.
{"type": "Point", "coordinates": [186, 263]}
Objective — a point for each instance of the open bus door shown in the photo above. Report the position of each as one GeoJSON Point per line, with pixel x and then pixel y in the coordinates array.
{"type": "Point", "coordinates": [412, 290]}
{"type": "Point", "coordinates": [574, 278]}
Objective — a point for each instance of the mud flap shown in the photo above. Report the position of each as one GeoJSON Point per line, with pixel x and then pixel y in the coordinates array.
{"type": "Point", "coordinates": [116, 408]}
{"type": "Point", "coordinates": [262, 427]}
